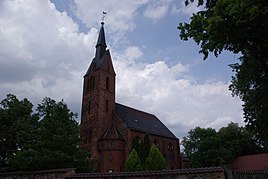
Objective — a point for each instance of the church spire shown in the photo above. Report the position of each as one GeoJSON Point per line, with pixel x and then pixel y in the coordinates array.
{"type": "Point", "coordinates": [101, 44]}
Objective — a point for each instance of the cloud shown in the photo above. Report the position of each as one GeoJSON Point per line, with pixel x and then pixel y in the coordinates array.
{"type": "Point", "coordinates": [43, 53]}
{"type": "Point", "coordinates": [156, 10]}
{"type": "Point", "coordinates": [181, 103]}
{"type": "Point", "coordinates": [120, 14]}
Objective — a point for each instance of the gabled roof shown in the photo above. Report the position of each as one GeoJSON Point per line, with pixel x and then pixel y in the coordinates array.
{"type": "Point", "coordinates": [142, 121]}
{"type": "Point", "coordinates": [111, 133]}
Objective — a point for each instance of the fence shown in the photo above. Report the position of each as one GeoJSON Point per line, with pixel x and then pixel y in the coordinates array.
{"type": "Point", "coordinates": [258, 174]}
{"type": "Point", "coordinates": [191, 173]}
{"type": "Point", "coordinates": [43, 174]}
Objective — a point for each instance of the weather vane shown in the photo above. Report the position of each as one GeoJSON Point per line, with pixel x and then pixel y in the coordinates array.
{"type": "Point", "coordinates": [103, 16]}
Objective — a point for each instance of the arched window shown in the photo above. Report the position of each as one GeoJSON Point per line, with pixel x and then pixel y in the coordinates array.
{"type": "Point", "coordinates": [138, 139]}
{"type": "Point", "coordinates": [93, 83]}
{"type": "Point", "coordinates": [170, 147]}
{"type": "Point", "coordinates": [171, 151]}
{"type": "Point", "coordinates": [110, 156]}
{"type": "Point", "coordinates": [88, 106]}
{"type": "Point", "coordinates": [107, 83]}
{"type": "Point", "coordinates": [106, 105]}
{"type": "Point", "coordinates": [88, 85]}
{"type": "Point", "coordinates": [156, 143]}
{"type": "Point", "coordinates": [89, 135]}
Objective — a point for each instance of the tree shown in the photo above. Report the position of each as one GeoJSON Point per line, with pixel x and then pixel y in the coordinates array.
{"type": "Point", "coordinates": [238, 140]}
{"type": "Point", "coordinates": [58, 142]}
{"type": "Point", "coordinates": [155, 160]}
{"type": "Point", "coordinates": [133, 162]}
{"type": "Point", "coordinates": [206, 148]}
{"type": "Point", "coordinates": [239, 26]}
{"type": "Point", "coordinates": [145, 149]}
{"type": "Point", "coordinates": [45, 140]}
{"type": "Point", "coordinates": [202, 147]}
{"type": "Point", "coordinates": [18, 129]}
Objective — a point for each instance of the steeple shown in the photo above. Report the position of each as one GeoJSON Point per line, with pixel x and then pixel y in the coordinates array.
{"type": "Point", "coordinates": [101, 44]}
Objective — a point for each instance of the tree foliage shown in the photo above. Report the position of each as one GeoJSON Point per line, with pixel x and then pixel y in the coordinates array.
{"type": "Point", "coordinates": [133, 162]}
{"type": "Point", "coordinates": [45, 140]}
{"type": "Point", "coordinates": [145, 149]}
{"type": "Point", "coordinates": [142, 148]}
{"type": "Point", "coordinates": [239, 26]}
{"type": "Point", "coordinates": [18, 128]}
{"type": "Point", "coordinates": [206, 148]}
{"type": "Point", "coordinates": [155, 160]}
{"type": "Point", "coordinates": [202, 148]}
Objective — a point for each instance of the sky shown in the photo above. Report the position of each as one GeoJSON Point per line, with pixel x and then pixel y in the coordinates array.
{"type": "Point", "coordinates": [46, 48]}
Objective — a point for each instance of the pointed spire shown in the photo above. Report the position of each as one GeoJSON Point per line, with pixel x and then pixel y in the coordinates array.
{"type": "Point", "coordinates": [101, 44]}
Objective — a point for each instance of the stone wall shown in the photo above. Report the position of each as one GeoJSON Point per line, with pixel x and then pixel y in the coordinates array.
{"type": "Point", "coordinates": [194, 173]}
{"type": "Point", "coordinates": [44, 174]}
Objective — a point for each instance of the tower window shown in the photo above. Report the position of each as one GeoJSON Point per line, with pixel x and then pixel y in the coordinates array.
{"type": "Point", "coordinates": [93, 83]}
{"type": "Point", "coordinates": [88, 85]}
{"type": "Point", "coordinates": [89, 106]}
{"type": "Point", "coordinates": [110, 156]}
{"type": "Point", "coordinates": [156, 143]}
{"type": "Point", "coordinates": [106, 105]}
{"type": "Point", "coordinates": [87, 136]}
{"type": "Point", "coordinates": [107, 83]}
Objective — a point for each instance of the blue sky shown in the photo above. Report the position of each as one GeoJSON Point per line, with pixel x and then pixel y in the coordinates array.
{"type": "Point", "coordinates": [47, 46]}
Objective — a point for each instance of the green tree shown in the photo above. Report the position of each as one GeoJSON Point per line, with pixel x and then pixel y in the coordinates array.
{"type": "Point", "coordinates": [202, 147]}
{"type": "Point", "coordinates": [238, 26]}
{"type": "Point", "coordinates": [145, 149]}
{"type": "Point", "coordinates": [58, 142]}
{"type": "Point", "coordinates": [205, 147]}
{"type": "Point", "coordinates": [238, 140]}
{"type": "Point", "coordinates": [136, 145]}
{"type": "Point", "coordinates": [45, 140]}
{"type": "Point", "coordinates": [18, 129]}
{"type": "Point", "coordinates": [155, 160]}
{"type": "Point", "coordinates": [133, 162]}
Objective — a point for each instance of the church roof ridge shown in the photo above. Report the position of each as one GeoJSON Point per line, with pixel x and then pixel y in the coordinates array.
{"type": "Point", "coordinates": [142, 121]}
{"type": "Point", "coordinates": [135, 109]}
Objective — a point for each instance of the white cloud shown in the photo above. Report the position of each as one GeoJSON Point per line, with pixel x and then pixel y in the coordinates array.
{"type": "Point", "coordinates": [181, 103]}
{"type": "Point", "coordinates": [156, 10]}
{"type": "Point", "coordinates": [120, 14]}
{"type": "Point", "coordinates": [42, 53]}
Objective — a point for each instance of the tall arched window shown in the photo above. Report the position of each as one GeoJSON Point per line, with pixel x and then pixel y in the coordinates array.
{"type": "Point", "coordinates": [93, 82]}
{"type": "Point", "coordinates": [156, 143]}
{"type": "Point", "coordinates": [87, 84]}
{"type": "Point", "coordinates": [88, 106]}
{"type": "Point", "coordinates": [107, 83]}
{"type": "Point", "coordinates": [106, 106]}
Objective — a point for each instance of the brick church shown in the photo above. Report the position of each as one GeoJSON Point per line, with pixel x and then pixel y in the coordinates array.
{"type": "Point", "coordinates": [108, 128]}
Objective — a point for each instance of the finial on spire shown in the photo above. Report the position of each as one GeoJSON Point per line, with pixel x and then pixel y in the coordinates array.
{"type": "Point", "coordinates": [103, 16]}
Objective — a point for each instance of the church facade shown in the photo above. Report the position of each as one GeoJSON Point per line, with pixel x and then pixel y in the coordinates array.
{"type": "Point", "coordinates": [108, 128]}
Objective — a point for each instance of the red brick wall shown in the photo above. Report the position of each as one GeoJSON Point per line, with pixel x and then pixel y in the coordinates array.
{"type": "Point", "coordinates": [250, 162]}
{"type": "Point", "coordinates": [164, 145]}
{"type": "Point", "coordinates": [99, 116]}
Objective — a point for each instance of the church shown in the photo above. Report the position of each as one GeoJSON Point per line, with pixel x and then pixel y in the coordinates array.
{"type": "Point", "coordinates": [108, 128]}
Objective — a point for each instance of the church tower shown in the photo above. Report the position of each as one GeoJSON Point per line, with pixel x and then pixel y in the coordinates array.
{"type": "Point", "coordinates": [98, 101]}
